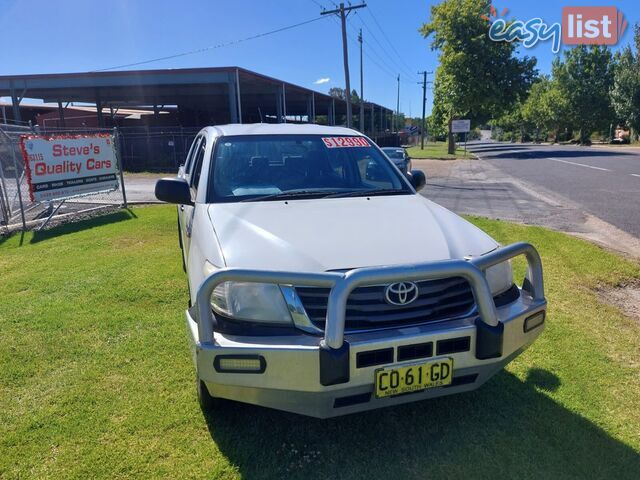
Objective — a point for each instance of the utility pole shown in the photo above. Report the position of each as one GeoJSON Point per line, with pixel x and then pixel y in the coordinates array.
{"type": "Point", "coordinates": [398, 107]}
{"type": "Point", "coordinates": [361, 86]}
{"type": "Point", "coordinates": [343, 12]}
{"type": "Point", "coordinates": [424, 101]}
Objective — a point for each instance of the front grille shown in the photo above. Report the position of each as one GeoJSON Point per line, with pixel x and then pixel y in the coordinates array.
{"type": "Point", "coordinates": [367, 308]}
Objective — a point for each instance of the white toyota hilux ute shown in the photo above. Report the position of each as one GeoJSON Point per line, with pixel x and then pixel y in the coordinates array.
{"type": "Point", "coordinates": [321, 283]}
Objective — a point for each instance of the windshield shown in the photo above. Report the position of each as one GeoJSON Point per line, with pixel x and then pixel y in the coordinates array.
{"type": "Point", "coordinates": [393, 153]}
{"type": "Point", "coordinates": [265, 167]}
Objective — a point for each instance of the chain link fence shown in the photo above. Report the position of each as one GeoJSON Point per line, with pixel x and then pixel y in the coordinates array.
{"type": "Point", "coordinates": [19, 212]}
{"type": "Point", "coordinates": [154, 149]}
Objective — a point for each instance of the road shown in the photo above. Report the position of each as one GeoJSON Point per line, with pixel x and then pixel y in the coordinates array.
{"type": "Point", "coordinates": [604, 182]}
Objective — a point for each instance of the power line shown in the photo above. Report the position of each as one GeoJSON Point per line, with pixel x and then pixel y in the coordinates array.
{"type": "Point", "coordinates": [319, 4]}
{"type": "Point", "coordinates": [405, 71]}
{"type": "Point", "coordinates": [387, 38]}
{"type": "Point", "coordinates": [212, 47]}
{"type": "Point", "coordinates": [384, 68]}
{"type": "Point", "coordinates": [381, 63]}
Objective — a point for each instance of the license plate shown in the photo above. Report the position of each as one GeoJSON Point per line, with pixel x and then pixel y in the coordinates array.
{"type": "Point", "coordinates": [413, 378]}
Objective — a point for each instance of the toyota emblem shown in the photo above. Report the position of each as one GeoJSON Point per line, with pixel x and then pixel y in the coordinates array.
{"type": "Point", "coordinates": [401, 293]}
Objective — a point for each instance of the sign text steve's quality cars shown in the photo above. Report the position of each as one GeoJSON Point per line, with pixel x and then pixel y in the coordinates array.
{"type": "Point", "coordinates": [60, 167]}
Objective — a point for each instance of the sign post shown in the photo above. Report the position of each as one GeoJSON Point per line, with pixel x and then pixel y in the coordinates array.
{"type": "Point", "coordinates": [461, 126]}
{"type": "Point", "coordinates": [117, 147]}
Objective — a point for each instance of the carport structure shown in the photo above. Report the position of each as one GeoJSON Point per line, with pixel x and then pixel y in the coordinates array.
{"type": "Point", "coordinates": [202, 96]}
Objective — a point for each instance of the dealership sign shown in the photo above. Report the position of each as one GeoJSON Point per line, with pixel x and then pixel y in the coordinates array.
{"type": "Point", "coordinates": [64, 166]}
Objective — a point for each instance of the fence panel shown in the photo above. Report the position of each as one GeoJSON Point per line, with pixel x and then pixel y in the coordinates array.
{"type": "Point", "coordinates": [154, 149]}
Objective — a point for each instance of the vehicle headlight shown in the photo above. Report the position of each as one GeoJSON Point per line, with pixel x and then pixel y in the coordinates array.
{"type": "Point", "coordinates": [499, 277]}
{"type": "Point", "coordinates": [256, 302]}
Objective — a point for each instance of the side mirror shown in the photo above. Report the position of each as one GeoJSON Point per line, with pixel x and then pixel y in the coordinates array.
{"type": "Point", "coordinates": [173, 190]}
{"type": "Point", "coordinates": [418, 179]}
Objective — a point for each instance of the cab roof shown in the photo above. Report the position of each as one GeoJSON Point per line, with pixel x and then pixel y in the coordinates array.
{"type": "Point", "coordinates": [281, 129]}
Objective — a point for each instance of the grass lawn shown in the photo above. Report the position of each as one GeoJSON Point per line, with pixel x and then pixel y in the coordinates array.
{"type": "Point", "coordinates": [96, 379]}
{"type": "Point", "coordinates": [438, 151]}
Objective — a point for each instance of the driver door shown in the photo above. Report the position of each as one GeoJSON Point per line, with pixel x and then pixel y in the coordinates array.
{"type": "Point", "coordinates": [185, 212]}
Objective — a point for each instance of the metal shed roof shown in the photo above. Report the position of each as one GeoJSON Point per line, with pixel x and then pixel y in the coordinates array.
{"type": "Point", "coordinates": [244, 95]}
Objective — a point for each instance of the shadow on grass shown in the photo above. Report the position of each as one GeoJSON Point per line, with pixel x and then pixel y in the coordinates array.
{"type": "Point", "coordinates": [67, 228]}
{"type": "Point", "coordinates": [506, 429]}
{"type": "Point", "coordinates": [5, 237]}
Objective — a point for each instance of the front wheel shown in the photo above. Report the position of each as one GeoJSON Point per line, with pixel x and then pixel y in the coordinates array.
{"type": "Point", "coordinates": [207, 402]}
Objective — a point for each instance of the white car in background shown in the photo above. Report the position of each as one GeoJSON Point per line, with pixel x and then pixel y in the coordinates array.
{"type": "Point", "coordinates": [321, 283]}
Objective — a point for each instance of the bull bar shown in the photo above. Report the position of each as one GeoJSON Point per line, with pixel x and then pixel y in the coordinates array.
{"type": "Point", "coordinates": [312, 395]}
{"type": "Point", "coordinates": [342, 284]}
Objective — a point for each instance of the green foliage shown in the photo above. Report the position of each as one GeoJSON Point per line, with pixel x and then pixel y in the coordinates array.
{"type": "Point", "coordinates": [510, 126]}
{"type": "Point", "coordinates": [546, 108]}
{"type": "Point", "coordinates": [580, 95]}
{"type": "Point", "coordinates": [477, 78]}
{"type": "Point", "coordinates": [436, 128]}
{"type": "Point", "coordinates": [338, 92]}
{"type": "Point", "coordinates": [625, 93]}
{"type": "Point", "coordinates": [585, 79]}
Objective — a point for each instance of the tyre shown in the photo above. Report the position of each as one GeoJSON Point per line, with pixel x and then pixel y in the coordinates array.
{"type": "Point", "coordinates": [207, 402]}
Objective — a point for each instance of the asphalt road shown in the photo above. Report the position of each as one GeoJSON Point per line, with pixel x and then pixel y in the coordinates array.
{"type": "Point", "coordinates": [604, 182]}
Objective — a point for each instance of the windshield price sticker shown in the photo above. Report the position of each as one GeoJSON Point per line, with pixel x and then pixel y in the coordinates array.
{"type": "Point", "coordinates": [345, 142]}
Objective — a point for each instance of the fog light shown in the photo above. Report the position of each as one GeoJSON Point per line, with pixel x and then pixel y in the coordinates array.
{"type": "Point", "coordinates": [239, 364]}
{"type": "Point", "coordinates": [534, 321]}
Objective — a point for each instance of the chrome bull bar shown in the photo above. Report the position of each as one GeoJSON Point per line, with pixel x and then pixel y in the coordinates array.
{"type": "Point", "coordinates": [342, 284]}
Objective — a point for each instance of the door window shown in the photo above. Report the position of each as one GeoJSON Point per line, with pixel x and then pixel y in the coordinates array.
{"type": "Point", "coordinates": [197, 163]}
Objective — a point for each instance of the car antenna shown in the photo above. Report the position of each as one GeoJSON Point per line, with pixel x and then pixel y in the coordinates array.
{"type": "Point", "coordinates": [260, 113]}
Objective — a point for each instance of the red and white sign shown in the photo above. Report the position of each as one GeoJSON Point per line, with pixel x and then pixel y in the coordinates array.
{"type": "Point", "coordinates": [345, 142]}
{"type": "Point", "coordinates": [592, 25]}
{"type": "Point", "coordinates": [64, 166]}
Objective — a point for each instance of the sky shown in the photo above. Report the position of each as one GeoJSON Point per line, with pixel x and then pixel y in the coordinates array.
{"type": "Point", "coordinates": [56, 36]}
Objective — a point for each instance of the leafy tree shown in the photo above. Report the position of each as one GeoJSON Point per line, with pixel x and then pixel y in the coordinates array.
{"type": "Point", "coordinates": [338, 92]}
{"type": "Point", "coordinates": [435, 128]}
{"type": "Point", "coordinates": [511, 125]}
{"type": "Point", "coordinates": [546, 107]}
{"type": "Point", "coordinates": [477, 78]}
{"type": "Point", "coordinates": [585, 79]}
{"type": "Point", "coordinates": [625, 93]}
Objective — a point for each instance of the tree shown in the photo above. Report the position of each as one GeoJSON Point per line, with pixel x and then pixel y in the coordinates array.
{"type": "Point", "coordinates": [585, 79]}
{"type": "Point", "coordinates": [546, 108]}
{"type": "Point", "coordinates": [338, 92]}
{"type": "Point", "coordinates": [477, 78]}
{"type": "Point", "coordinates": [510, 125]}
{"type": "Point", "coordinates": [625, 92]}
